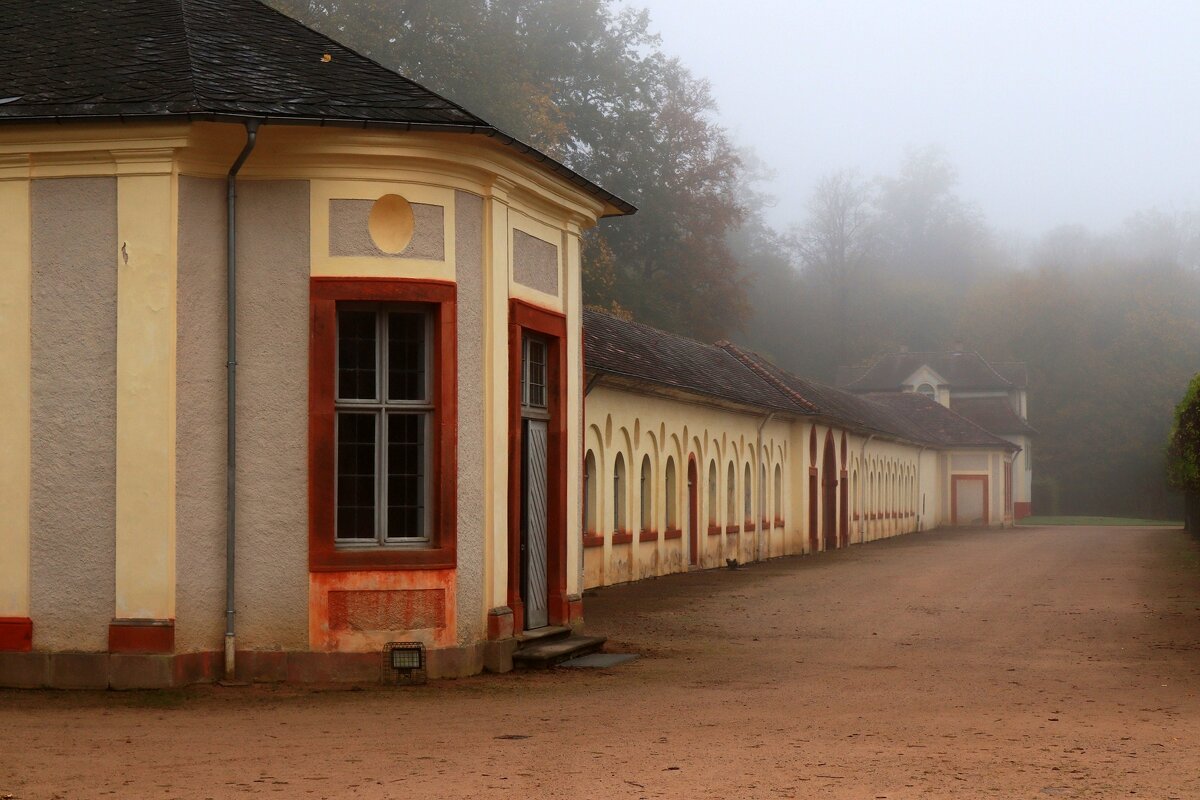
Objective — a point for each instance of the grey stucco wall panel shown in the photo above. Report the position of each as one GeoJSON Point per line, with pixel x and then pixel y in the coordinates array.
{"type": "Point", "coordinates": [468, 247]}
{"type": "Point", "coordinates": [200, 417]}
{"type": "Point", "coordinates": [73, 412]}
{"type": "Point", "coordinates": [272, 407]}
{"type": "Point", "coordinates": [535, 263]}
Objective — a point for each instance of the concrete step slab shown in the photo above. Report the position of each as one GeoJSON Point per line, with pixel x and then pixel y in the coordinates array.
{"type": "Point", "coordinates": [545, 654]}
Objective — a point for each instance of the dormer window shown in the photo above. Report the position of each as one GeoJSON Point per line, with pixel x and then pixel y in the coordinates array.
{"type": "Point", "coordinates": [927, 390]}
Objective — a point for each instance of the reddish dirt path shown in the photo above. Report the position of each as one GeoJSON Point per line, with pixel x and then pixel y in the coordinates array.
{"type": "Point", "coordinates": [1017, 664]}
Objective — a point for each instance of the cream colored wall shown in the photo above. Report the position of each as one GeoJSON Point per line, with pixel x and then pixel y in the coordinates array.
{"type": "Point", "coordinates": [16, 276]}
{"type": "Point", "coordinates": [637, 427]}
{"type": "Point", "coordinates": [977, 462]}
{"type": "Point", "coordinates": [885, 488]}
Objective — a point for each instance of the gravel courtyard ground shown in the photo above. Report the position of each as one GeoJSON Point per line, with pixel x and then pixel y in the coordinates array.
{"type": "Point", "coordinates": [1030, 663]}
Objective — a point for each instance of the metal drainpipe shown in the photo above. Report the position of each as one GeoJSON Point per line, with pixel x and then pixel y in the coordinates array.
{"type": "Point", "coordinates": [862, 490]}
{"type": "Point", "coordinates": [761, 494]}
{"type": "Point", "coordinates": [231, 394]}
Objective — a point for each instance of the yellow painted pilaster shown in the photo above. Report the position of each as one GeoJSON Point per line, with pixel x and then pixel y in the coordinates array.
{"type": "Point", "coordinates": [496, 358]}
{"type": "Point", "coordinates": [146, 278]}
{"type": "Point", "coordinates": [573, 300]}
{"type": "Point", "coordinates": [15, 292]}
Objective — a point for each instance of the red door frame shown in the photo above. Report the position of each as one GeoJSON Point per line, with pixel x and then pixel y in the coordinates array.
{"type": "Point", "coordinates": [829, 484]}
{"type": "Point", "coordinates": [552, 326]}
{"type": "Point", "coordinates": [693, 512]}
{"type": "Point", "coordinates": [954, 480]}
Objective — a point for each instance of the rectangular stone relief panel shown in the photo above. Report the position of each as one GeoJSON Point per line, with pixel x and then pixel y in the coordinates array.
{"type": "Point", "coordinates": [535, 263]}
{"type": "Point", "coordinates": [349, 234]}
{"type": "Point", "coordinates": [387, 610]}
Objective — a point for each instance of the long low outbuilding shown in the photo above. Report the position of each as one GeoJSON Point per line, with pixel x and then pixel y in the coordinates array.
{"type": "Point", "coordinates": [696, 455]}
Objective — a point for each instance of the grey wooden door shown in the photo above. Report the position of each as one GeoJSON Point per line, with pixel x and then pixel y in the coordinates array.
{"type": "Point", "coordinates": [535, 588]}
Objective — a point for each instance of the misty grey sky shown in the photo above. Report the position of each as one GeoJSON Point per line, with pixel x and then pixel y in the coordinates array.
{"type": "Point", "coordinates": [1054, 112]}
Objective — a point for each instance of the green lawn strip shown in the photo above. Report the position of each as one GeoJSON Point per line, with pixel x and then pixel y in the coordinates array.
{"type": "Point", "coordinates": [1099, 521]}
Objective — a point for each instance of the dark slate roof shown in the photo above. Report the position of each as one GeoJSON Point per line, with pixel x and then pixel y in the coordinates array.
{"type": "Point", "coordinates": [222, 60]}
{"type": "Point", "coordinates": [937, 424]}
{"type": "Point", "coordinates": [993, 413]}
{"type": "Point", "coordinates": [631, 350]}
{"type": "Point", "coordinates": [963, 370]}
{"type": "Point", "coordinates": [1013, 371]}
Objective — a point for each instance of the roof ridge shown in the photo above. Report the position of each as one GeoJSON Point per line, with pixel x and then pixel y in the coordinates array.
{"type": "Point", "coordinates": [754, 366]}
{"type": "Point", "coordinates": [187, 49]}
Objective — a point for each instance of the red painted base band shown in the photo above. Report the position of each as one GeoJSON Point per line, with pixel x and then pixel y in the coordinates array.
{"type": "Point", "coordinates": [16, 634]}
{"type": "Point", "coordinates": [1022, 510]}
{"type": "Point", "coordinates": [151, 636]}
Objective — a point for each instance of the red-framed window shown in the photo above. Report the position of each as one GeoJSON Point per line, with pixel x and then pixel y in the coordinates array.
{"type": "Point", "coordinates": [382, 424]}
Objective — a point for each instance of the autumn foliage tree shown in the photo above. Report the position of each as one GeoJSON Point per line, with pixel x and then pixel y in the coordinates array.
{"type": "Point", "coordinates": [586, 82]}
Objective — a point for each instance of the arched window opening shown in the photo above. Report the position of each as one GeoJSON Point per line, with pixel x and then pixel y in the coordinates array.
{"type": "Point", "coordinates": [778, 492]}
{"type": "Point", "coordinates": [672, 496]}
{"type": "Point", "coordinates": [730, 496]}
{"type": "Point", "coordinates": [762, 496]}
{"type": "Point", "coordinates": [748, 499]}
{"type": "Point", "coordinates": [619, 494]}
{"type": "Point", "coordinates": [645, 495]}
{"type": "Point", "coordinates": [589, 492]}
{"type": "Point", "coordinates": [712, 494]}
{"type": "Point", "coordinates": [927, 390]}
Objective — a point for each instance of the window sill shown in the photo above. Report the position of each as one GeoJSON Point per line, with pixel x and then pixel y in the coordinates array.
{"type": "Point", "coordinates": [648, 536]}
{"type": "Point", "coordinates": [673, 533]}
{"type": "Point", "coordinates": [337, 559]}
{"type": "Point", "coordinates": [731, 528]}
{"type": "Point", "coordinates": [593, 540]}
{"type": "Point", "coordinates": [749, 527]}
{"type": "Point", "coordinates": [622, 537]}
{"type": "Point", "coordinates": [779, 522]}
{"type": "Point", "coordinates": [714, 530]}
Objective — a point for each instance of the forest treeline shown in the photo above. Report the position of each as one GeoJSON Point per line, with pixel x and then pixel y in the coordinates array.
{"type": "Point", "coordinates": [1108, 322]}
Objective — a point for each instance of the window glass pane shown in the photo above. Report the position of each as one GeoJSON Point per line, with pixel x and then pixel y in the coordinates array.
{"type": "Point", "coordinates": [356, 355]}
{"type": "Point", "coordinates": [406, 356]}
{"type": "Point", "coordinates": [406, 476]}
{"type": "Point", "coordinates": [535, 373]}
{"type": "Point", "coordinates": [355, 475]}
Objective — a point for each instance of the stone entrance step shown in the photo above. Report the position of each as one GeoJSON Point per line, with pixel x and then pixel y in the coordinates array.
{"type": "Point", "coordinates": [542, 634]}
{"type": "Point", "coordinates": [546, 653]}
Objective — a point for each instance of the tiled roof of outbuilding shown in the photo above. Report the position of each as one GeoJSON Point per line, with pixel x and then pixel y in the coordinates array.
{"type": "Point", "coordinates": [909, 416]}
{"type": "Point", "coordinates": [992, 413]}
{"type": "Point", "coordinates": [631, 350]}
{"type": "Point", "coordinates": [210, 59]}
{"type": "Point", "coordinates": [963, 371]}
{"type": "Point", "coordinates": [937, 424]}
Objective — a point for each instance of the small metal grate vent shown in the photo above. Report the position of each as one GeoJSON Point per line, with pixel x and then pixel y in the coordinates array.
{"type": "Point", "coordinates": [404, 663]}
